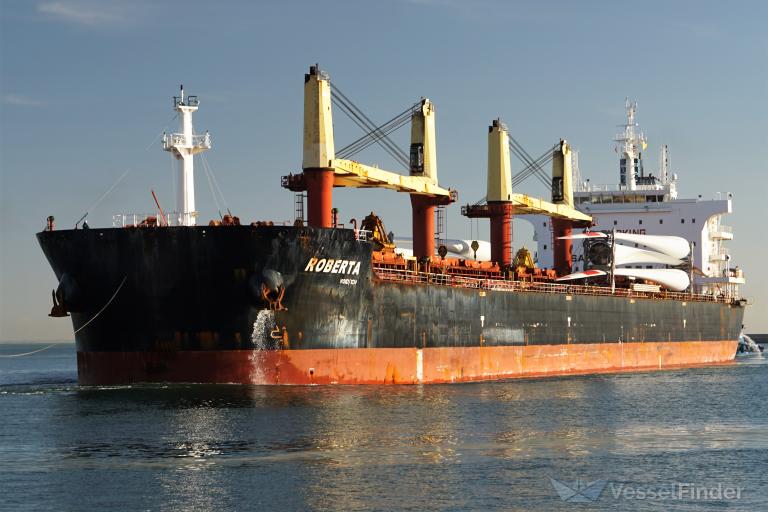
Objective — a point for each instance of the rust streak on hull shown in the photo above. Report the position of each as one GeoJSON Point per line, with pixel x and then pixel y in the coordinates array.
{"type": "Point", "coordinates": [395, 365]}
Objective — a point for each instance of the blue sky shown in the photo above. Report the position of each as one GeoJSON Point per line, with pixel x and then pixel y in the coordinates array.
{"type": "Point", "coordinates": [86, 88]}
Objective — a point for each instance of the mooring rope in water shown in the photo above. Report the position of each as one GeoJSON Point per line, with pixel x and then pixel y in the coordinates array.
{"type": "Point", "coordinates": [76, 331]}
{"type": "Point", "coordinates": [102, 309]}
{"type": "Point", "coordinates": [33, 352]}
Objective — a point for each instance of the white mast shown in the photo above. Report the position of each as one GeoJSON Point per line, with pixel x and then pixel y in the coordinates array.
{"type": "Point", "coordinates": [664, 163]}
{"type": "Point", "coordinates": [630, 145]}
{"type": "Point", "coordinates": [184, 146]}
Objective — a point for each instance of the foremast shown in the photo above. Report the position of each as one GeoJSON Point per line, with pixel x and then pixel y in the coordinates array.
{"type": "Point", "coordinates": [184, 146]}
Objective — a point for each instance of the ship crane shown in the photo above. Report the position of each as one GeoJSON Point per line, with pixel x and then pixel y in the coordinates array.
{"type": "Point", "coordinates": [500, 201]}
{"type": "Point", "coordinates": [322, 170]}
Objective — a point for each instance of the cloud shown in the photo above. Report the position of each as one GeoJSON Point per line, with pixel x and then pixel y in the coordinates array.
{"type": "Point", "coordinates": [21, 101]}
{"type": "Point", "coordinates": [84, 13]}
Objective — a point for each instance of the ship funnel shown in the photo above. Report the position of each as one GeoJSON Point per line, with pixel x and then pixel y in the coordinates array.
{"type": "Point", "coordinates": [318, 147]}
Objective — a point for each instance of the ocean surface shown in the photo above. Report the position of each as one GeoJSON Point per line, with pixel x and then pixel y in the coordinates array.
{"type": "Point", "coordinates": [672, 440]}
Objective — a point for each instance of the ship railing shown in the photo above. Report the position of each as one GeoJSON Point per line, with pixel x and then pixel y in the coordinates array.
{"type": "Point", "coordinates": [123, 220]}
{"type": "Point", "coordinates": [171, 140]}
{"type": "Point", "coordinates": [500, 284]}
{"type": "Point", "coordinates": [722, 228]}
{"type": "Point", "coordinates": [616, 188]}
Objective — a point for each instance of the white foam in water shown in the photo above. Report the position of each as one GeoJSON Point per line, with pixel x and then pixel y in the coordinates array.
{"type": "Point", "coordinates": [265, 322]}
{"type": "Point", "coordinates": [261, 339]}
{"type": "Point", "coordinates": [750, 345]}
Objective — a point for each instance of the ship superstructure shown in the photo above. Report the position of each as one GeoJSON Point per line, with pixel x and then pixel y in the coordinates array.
{"type": "Point", "coordinates": [647, 204]}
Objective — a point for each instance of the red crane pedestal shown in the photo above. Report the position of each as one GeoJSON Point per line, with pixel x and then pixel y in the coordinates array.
{"type": "Point", "coordinates": [562, 249]}
{"type": "Point", "coordinates": [501, 232]}
{"type": "Point", "coordinates": [423, 208]}
{"type": "Point", "coordinates": [500, 214]}
{"type": "Point", "coordinates": [319, 184]}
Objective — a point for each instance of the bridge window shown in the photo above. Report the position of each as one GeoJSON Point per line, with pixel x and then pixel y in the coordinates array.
{"type": "Point", "coordinates": [641, 222]}
{"type": "Point", "coordinates": [615, 223]}
{"type": "Point", "coordinates": [682, 221]}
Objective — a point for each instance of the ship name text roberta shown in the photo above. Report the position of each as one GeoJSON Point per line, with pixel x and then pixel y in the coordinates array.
{"type": "Point", "coordinates": [329, 265]}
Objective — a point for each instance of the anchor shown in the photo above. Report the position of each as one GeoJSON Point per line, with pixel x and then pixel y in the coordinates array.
{"type": "Point", "coordinates": [274, 303]}
{"type": "Point", "coordinates": [273, 289]}
{"type": "Point", "coordinates": [59, 309]}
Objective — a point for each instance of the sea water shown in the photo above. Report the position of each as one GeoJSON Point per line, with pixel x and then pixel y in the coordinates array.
{"type": "Point", "coordinates": [633, 441]}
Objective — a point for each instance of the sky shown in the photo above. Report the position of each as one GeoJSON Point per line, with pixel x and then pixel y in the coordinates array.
{"type": "Point", "coordinates": [86, 87]}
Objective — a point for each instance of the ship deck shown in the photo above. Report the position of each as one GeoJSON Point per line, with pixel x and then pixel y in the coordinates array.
{"type": "Point", "coordinates": [496, 282]}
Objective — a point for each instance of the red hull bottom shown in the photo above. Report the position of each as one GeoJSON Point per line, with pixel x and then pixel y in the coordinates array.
{"type": "Point", "coordinates": [395, 365]}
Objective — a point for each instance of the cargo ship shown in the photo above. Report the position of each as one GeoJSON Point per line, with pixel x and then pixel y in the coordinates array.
{"type": "Point", "coordinates": [159, 298]}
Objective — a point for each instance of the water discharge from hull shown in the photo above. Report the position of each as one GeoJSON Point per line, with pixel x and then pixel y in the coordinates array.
{"type": "Point", "coordinates": [262, 341]}
{"type": "Point", "coordinates": [262, 327]}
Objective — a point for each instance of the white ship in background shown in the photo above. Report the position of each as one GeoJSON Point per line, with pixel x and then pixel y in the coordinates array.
{"type": "Point", "coordinates": [648, 204]}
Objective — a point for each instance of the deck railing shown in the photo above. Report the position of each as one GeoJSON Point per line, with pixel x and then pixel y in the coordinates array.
{"type": "Point", "coordinates": [122, 220]}
{"type": "Point", "coordinates": [171, 140]}
{"type": "Point", "coordinates": [460, 281]}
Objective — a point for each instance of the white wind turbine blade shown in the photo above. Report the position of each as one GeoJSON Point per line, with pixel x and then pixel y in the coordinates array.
{"type": "Point", "coordinates": [631, 255]}
{"type": "Point", "coordinates": [582, 275]}
{"type": "Point", "coordinates": [671, 278]}
{"type": "Point", "coordinates": [674, 246]}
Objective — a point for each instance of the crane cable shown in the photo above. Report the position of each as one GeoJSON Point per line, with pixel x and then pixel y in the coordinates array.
{"type": "Point", "coordinates": [343, 98]}
{"type": "Point", "coordinates": [393, 151]}
{"type": "Point", "coordinates": [532, 168]}
{"type": "Point", "coordinates": [373, 136]}
{"type": "Point", "coordinates": [378, 132]}
{"type": "Point", "coordinates": [365, 123]}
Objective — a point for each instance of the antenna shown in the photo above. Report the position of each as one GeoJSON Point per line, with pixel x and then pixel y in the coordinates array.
{"type": "Point", "coordinates": [629, 146]}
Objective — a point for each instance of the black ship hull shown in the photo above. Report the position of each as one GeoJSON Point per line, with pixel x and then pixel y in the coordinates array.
{"type": "Point", "coordinates": [297, 305]}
